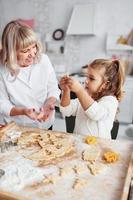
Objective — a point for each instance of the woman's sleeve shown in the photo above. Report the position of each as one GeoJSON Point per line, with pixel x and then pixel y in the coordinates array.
{"type": "Point", "coordinates": [52, 87]}
{"type": "Point", "coordinates": [69, 110]}
{"type": "Point", "coordinates": [5, 104]}
{"type": "Point", "coordinates": [106, 107]}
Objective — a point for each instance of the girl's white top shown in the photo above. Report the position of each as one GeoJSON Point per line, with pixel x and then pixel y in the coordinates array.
{"type": "Point", "coordinates": [97, 120]}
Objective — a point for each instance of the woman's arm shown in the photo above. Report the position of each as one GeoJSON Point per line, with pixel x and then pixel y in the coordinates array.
{"type": "Point", "coordinates": [52, 84]}
{"type": "Point", "coordinates": [5, 103]}
{"type": "Point", "coordinates": [31, 113]}
{"type": "Point", "coordinates": [17, 111]}
{"type": "Point", "coordinates": [9, 109]}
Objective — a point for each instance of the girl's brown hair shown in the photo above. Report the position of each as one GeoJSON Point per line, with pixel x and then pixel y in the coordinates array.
{"type": "Point", "coordinates": [114, 77]}
{"type": "Point", "coordinates": [16, 36]}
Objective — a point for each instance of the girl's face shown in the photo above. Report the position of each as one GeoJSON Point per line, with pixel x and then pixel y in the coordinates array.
{"type": "Point", "coordinates": [27, 55]}
{"type": "Point", "coordinates": [94, 81]}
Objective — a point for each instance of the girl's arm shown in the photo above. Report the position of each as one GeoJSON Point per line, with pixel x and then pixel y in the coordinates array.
{"type": "Point", "coordinates": [68, 107]}
{"type": "Point", "coordinates": [65, 98]}
{"type": "Point", "coordinates": [84, 98]}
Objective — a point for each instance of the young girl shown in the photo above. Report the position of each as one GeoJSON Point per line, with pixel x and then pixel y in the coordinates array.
{"type": "Point", "coordinates": [96, 104]}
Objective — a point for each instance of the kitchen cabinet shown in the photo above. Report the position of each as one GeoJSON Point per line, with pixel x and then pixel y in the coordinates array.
{"type": "Point", "coordinates": [126, 105]}
{"type": "Point", "coordinates": [123, 52]}
{"type": "Point", "coordinates": [112, 44]}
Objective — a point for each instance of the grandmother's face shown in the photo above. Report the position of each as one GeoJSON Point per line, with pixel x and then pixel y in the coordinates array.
{"type": "Point", "coordinates": [27, 55]}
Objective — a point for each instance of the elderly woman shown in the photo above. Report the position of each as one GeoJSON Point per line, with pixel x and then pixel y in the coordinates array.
{"type": "Point", "coordinates": [28, 84]}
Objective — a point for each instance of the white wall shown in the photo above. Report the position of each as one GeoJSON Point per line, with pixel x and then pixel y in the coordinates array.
{"type": "Point", "coordinates": [114, 17]}
{"type": "Point", "coordinates": [13, 9]}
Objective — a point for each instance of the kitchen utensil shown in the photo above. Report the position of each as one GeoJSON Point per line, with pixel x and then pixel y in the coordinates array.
{"type": "Point", "coordinates": [5, 146]}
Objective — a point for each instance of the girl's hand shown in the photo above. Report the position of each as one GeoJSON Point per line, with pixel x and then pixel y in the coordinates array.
{"type": "Point", "coordinates": [31, 113]}
{"type": "Point", "coordinates": [64, 83]}
{"type": "Point", "coordinates": [74, 85]}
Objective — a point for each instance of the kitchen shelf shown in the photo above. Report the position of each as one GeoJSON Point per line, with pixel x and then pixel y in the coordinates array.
{"type": "Point", "coordinates": [113, 46]}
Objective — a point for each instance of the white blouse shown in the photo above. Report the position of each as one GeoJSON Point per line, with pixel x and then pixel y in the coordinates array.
{"type": "Point", "coordinates": [33, 85]}
{"type": "Point", "coordinates": [97, 120]}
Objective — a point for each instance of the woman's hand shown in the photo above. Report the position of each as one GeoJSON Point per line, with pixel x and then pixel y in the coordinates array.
{"type": "Point", "coordinates": [45, 114]}
{"type": "Point", "coordinates": [31, 113]}
{"type": "Point", "coordinates": [47, 110]}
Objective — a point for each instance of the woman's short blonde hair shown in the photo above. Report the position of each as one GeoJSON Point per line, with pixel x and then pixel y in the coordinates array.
{"type": "Point", "coordinates": [16, 36]}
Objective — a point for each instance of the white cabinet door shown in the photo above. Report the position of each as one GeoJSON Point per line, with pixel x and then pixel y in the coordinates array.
{"type": "Point", "coordinates": [126, 105]}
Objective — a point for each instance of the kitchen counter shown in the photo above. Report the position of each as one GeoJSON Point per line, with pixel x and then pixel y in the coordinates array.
{"type": "Point", "coordinates": [28, 181]}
